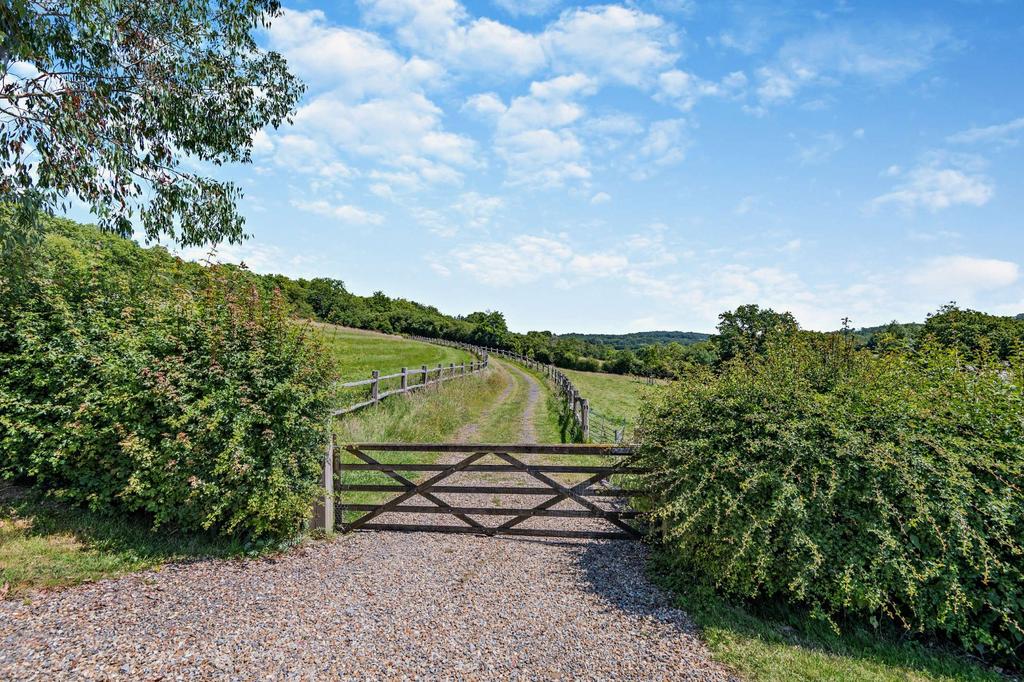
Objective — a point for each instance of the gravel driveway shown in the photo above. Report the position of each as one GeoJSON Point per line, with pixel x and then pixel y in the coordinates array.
{"type": "Point", "coordinates": [370, 606]}
{"type": "Point", "coordinates": [367, 606]}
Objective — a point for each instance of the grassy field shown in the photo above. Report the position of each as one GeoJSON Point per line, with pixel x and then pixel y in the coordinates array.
{"type": "Point", "coordinates": [613, 397]}
{"type": "Point", "coordinates": [358, 352]}
{"type": "Point", "coordinates": [46, 544]}
{"type": "Point", "coordinates": [777, 643]}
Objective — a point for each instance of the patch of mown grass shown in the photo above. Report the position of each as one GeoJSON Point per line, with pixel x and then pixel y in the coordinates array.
{"type": "Point", "coordinates": [45, 543]}
{"type": "Point", "coordinates": [775, 642]}
{"type": "Point", "coordinates": [359, 352]}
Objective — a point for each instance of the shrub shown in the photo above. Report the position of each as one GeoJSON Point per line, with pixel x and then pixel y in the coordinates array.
{"type": "Point", "coordinates": [133, 382]}
{"type": "Point", "coordinates": [884, 487]}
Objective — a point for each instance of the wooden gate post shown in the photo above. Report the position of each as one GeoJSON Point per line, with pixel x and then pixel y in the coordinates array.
{"type": "Point", "coordinates": [405, 378]}
{"type": "Point", "coordinates": [424, 369]}
{"type": "Point", "coordinates": [585, 418]}
{"type": "Point", "coordinates": [375, 386]}
{"type": "Point", "coordinates": [323, 510]}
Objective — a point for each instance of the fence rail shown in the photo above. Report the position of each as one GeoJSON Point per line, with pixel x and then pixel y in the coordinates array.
{"type": "Point", "coordinates": [412, 379]}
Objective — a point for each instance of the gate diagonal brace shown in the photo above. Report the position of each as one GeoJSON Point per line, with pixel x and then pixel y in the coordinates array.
{"type": "Point", "coordinates": [552, 501]}
{"type": "Point", "coordinates": [425, 494]}
{"type": "Point", "coordinates": [567, 492]}
{"type": "Point", "coordinates": [426, 485]}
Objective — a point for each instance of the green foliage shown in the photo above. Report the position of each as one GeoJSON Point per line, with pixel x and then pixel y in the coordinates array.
{"type": "Point", "coordinates": [131, 381]}
{"type": "Point", "coordinates": [104, 100]}
{"type": "Point", "coordinates": [881, 487]}
{"type": "Point", "coordinates": [970, 331]}
{"type": "Point", "coordinates": [749, 328]}
{"type": "Point", "coordinates": [635, 340]}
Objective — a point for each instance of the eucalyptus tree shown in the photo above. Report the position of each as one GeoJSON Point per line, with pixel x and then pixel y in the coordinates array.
{"type": "Point", "coordinates": [118, 102]}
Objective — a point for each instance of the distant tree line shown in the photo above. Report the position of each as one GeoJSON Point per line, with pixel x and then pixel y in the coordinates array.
{"type": "Point", "coordinates": [667, 355]}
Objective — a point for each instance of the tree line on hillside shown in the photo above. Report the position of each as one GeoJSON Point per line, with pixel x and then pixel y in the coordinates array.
{"type": "Point", "coordinates": [328, 300]}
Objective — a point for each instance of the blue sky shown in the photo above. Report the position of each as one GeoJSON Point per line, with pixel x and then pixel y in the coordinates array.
{"type": "Point", "coordinates": [647, 165]}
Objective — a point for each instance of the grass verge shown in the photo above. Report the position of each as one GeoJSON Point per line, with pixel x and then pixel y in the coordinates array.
{"type": "Point", "coordinates": [48, 544]}
{"type": "Point", "coordinates": [773, 642]}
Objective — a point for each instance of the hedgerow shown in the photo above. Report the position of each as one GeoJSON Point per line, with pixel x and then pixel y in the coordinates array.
{"type": "Point", "coordinates": [131, 382]}
{"type": "Point", "coordinates": [883, 487]}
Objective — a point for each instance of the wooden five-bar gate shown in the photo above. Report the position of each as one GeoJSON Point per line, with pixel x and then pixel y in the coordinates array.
{"type": "Point", "coordinates": [424, 471]}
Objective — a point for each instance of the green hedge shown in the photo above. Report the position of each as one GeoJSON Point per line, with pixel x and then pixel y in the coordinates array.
{"type": "Point", "coordinates": [132, 382]}
{"type": "Point", "coordinates": [882, 487]}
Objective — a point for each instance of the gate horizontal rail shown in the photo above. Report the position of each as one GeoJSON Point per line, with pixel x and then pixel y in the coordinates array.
{"type": "Point", "coordinates": [513, 458]}
{"type": "Point", "coordinates": [486, 489]}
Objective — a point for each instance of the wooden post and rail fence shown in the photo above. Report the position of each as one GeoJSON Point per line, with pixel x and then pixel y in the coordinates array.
{"type": "Point", "coordinates": [410, 380]}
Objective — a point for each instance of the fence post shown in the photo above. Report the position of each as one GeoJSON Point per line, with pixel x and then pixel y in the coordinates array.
{"type": "Point", "coordinates": [585, 418]}
{"type": "Point", "coordinates": [405, 378]}
{"type": "Point", "coordinates": [375, 386]}
{"type": "Point", "coordinates": [462, 370]}
{"type": "Point", "coordinates": [424, 368]}
{"type": "Point", "coordinates": [323, 511]}
{"type": "Point", "coordinates": [440, 373]}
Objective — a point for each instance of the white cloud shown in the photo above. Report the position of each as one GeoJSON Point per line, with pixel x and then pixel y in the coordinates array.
{"type": "Point", "coordinates": [345, 213]}
{"type": "Point", "coordinates": [486, 103]}
{"type": "Point", "coordinates": [549, 105]}
{"type": "Point", "coordinates": [957, 277]}
{"type": "Point", "coordinates": [527, 7]}
{"type": "Point", "coordinates": [355, 63]}
{"type": "Point", "coordinates": [665, 144]}
{"type": "Point", "coordinates": [1004, 133]}
{"type": "Point", "coordinates": [532, 135]}
{"type": "Point", "coordinates": [529, 258]}
{"type": "Point", "coordinates": [370, 103]}
{"type": "Point", "coordinates": [477, 209]}
{"type": "Point", "coordinates": [597, 264]}
{"type": "Point", "coordinates": [601, 198]}
{"type": "Point", "coordinates": [543, 158]}
{"type": "Point", "coordinates": [684, 89]}
{"type": "Point", "coordinates": [936, 188]}
{"type": "Point", "coordinates": [614, 43]}
{"type": "Point", "coordinates": [881, 55]}
{"type": "Point", "coordinates": [402, 130]}
{"type": "Point", "coordinates": [522, 260]}
{"type": "Point", "coordinates": [443, 30]}
{"type": "Point", "coordinates": [257, 256]}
